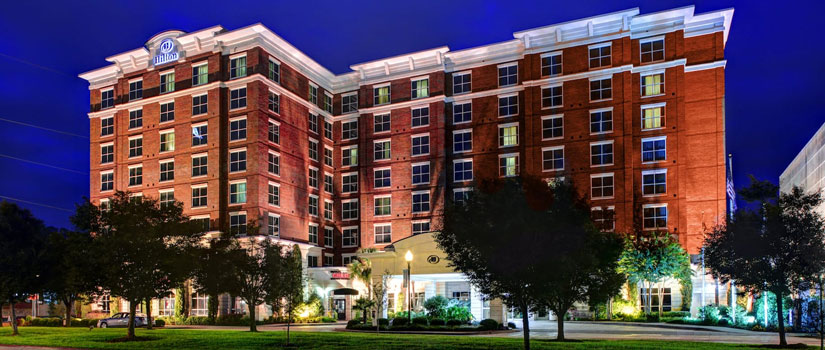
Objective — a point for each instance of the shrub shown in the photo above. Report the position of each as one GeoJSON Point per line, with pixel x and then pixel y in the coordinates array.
{"type": "Point", "coordinates": [420, 321]}
{"type": "Point", "coordinates": [383, 322]}
{"type": "Point", "coordinates": [674, 314]}
{"type": "Point", "coordinates": [198, 320]}
{"type": "Point", "coordinates": [453, 323]}
{"type": "Point", "coordinates": [460, 313]}
{"type": "Point", "coordinates": [400, 321]}
{"type": "Point", "coordinates": [160, 323]}
{"type": "Point", "coordinates": [436, 306]}
{"type": "Point", "coordinates": [488, 324]}
{"type": "Point", "coordinates": [326, 319]}
{"type": "Point", "coordinates": [437, 322]}
{"type": "Point", "coordinates": [352, 323]}
{"type": "Point", "coordinates": [709, 314]}
{"type": "Point", "coordinates": [231, 320]}
{"type": "Point", "coordinates": [511, 325]}
{"type": "Point", "coordinates": [44, 322]}
{"type": "Point", "coordinates": [83, 322]}
{"type": "Point", "coordinates": [723, 322]}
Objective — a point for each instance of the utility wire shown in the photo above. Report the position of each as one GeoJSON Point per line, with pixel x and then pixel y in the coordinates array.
{"type": "Point", "coordinates": [44, 164]}
{"type": "Point", "coordinates": [35, 203]}
{"type": "Point", "coordinates": [20, 60]}
{"type": "Point", "coordinates": [44, 128]}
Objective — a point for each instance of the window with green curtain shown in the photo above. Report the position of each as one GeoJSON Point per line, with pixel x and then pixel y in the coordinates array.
{"type": "Point", "coordinates": [653, 118]}
{"type": "Point", "coordinates": [420, 88]}
{"type": "Point", "coordinates": [200, 74]}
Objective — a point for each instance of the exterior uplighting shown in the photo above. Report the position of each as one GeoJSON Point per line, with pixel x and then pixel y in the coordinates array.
{"type": "Point", "coordinates": [408, 257]}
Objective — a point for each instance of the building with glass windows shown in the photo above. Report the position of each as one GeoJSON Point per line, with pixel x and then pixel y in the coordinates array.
{"type": "Point", "coordinates": [807, 170]}
{"type": "Point", "coordinates": [244, 128]}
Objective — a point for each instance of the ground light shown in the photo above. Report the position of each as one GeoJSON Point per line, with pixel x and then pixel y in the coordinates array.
{"type": "Point", "coordinates": [408, 257]}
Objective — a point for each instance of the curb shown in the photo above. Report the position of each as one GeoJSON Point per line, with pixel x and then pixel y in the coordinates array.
{"type": "Point", "coordinates": [429, 332]}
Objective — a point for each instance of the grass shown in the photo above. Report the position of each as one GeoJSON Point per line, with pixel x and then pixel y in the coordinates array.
{"type": "Point", "coordinates": [232, 339]}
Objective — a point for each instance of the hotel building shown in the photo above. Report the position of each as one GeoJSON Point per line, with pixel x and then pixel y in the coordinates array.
{"type": "Point", "coordinates": [245, 129]}
{"type": "Point", "coordinates": [807, 170]}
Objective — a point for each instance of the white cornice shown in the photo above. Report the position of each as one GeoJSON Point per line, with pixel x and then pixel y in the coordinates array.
{"type": "Point", "coordinates": [703, 66]}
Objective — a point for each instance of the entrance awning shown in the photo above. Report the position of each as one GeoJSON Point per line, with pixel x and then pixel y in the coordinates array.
{"type": "Point", "coordinates": [344, 291]}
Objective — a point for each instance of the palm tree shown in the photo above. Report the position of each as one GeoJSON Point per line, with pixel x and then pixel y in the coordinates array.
{"type": "Point", "coordinates": [361, 269]}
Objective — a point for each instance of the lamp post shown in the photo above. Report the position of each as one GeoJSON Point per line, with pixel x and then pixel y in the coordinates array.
{"type": "Point", "coordinates": [408, 257]}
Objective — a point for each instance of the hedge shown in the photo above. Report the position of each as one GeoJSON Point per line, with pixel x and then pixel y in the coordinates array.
{"type": "Point", "coordinates": [58, 322]}
{"type": "Point", "coordinates": [488, 324]}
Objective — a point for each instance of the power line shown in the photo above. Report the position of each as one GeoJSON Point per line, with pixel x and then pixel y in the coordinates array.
{"type": "Point", "coordinates": [44, 128]}
{"type": "Point", "coordinates": [44, 164]}
{"type": "Point", "coordinates": [35, 203]}
{"type": "Point", "coordinates": [20, 60]}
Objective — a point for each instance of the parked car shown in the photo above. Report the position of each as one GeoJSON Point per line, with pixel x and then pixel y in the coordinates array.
{"type": "Point", "coordinates": [121, 319]}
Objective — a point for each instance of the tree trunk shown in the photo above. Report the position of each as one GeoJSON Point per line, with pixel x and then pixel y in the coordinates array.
{"type": "Point", "coordinates": [648, 300]}
{"type": "Point", "coordinates": [661, 297]}
{"type": "Point", "coordinates": [560, 321]}
{"type": "Point", "coordinates": [525, 320]}
{"type": "Point", "coordinates": [780, 320]}
{"type": "Point", "coordinates": [68, 302]}
{"type": "Point", "coordinates": [288, 318]}
{"type": "Point", "coordinates": [609, 309]}
{"type": "Point", "coordinates": [253, 323]}
{"type": "Point", "coordinates": [13, 319]}
{"type": "Point", "coordinates": [212, 306]}
{"type": "Point", "coordinates": [149, 313]}
{"type": "Point", "coordinates": [1, 314]}
{"type": "Point", "coordinates": [132, 306]}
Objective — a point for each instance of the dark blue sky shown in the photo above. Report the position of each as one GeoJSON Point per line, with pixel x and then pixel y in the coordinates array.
{"type": "Point", "coordinates": [776, 64]}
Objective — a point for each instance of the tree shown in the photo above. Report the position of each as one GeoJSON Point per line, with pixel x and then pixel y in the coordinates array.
{"type": "Point", "coordinates": [145, 246]}
{"type": "Point", "coordinates": [652, 257]}
{"type": "Point", "coordinates": [774, 247]}
{"type": "Point", "coordinates": [249, 275]}
{"type": "Point", "coordinates": [211, 275]}
{"type": "Point", "coordinates": [293, 285]}
{"type": "Point", "coordinates": [364, 304]}
{"type": "Point", "coordinates": [360, 269]}
{"type": "Point", "coordinates": [22, 253]}
{"type": "Point", "coordinates": [379, 294]}
{"type": "Point", "coordinates": [73, 269]}
{"type": "Point", "coordinates": [500, 236]}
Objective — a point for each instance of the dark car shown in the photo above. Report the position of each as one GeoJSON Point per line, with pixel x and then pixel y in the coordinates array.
{"type": "Point", "coordinates": [121, 319]}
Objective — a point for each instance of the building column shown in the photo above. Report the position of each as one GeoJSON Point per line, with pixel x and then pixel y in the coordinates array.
{"type": "Point", "coordinates": [475, 303]}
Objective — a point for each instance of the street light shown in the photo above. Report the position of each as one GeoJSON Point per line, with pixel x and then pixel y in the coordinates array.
{"type": "Point", "coordinates": [408, 257]}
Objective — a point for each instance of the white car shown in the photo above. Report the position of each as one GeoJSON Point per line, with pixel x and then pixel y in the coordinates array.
{"type": "Point", "coordinates": [121, 319]}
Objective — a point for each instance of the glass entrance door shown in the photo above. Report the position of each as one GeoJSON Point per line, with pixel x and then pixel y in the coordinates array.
{"type": "Point", "coordinates": [340, 306]}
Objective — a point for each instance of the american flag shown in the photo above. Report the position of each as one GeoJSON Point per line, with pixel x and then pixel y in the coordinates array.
{"type": "Point", "coordinates": [729, 187]}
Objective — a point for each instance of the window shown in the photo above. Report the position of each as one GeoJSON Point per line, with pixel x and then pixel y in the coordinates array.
{"type": "Point", "coordinates": [552, 158]}
{"type": "Point", "coordinates": [327, 156]}
{"type": "Point", "coordinates": [237, 223]}
{"type": "Point", "coordinates": [604, 218]}
{"type": "Point", "coordinates": [199, 104]}
{"type": "Point", "coordinates": [462, 141]}
{"type": "Point", "coordinates": [313, 234]}
{"type": "Point", "coordinates": [135, 175]}
{"type": "Point", "coordinates": [507, 106]}
{"type": "Point", "coordinates": [420, 116]}
{"type": "Point", "coordinates": [237, 98]}
{"type": "Point", "coordinates": [312, 206]}
{"type": "Point", "coordinates": [652, 50]}
{"type": "Point", "coordinates": [601, 186]}
{"type": "Point", "coordinates": [167, 140]}
{"type": "Point", "coordinates": [273, 194]}
{"type": "Point", "coordinates": [654, 149]}
{"type": "Point", "coordinates": [654, 216]}
{"type": "Point", "coordinates": [135, 90]}
{"type": "Point", "coordinates": [462, 170]}
{"type": "Point", "coordinates": [199, 134]}
{"type": "Point", "coordinates": [383, 206]}
{"type": "Point", "coordinates": [653, 117]}
{"type": "Point", "coordinates": [601, 121]}
{"type": "Point", "coordinates": [421, 173]}
{"type": "Point", "coordinates": [421, 202]}
{"type": "Point", "coordinates": [328, 211]}
{"type": "Point", "coordinates": [552, 127]}
{"type": "Point", "coordinates": [202, 222]}
{"type": "Point", "coordinates": [312, 120]}
{"type": "Point", "coordinates": [237, 160]}
{"type": "Point", "coordinates": [274, 132]}
{"type": "Point", "coordinates": [551, 97]}
{"type": "Point", "coordinates": [382, 178]}
{"type": "Point", "coordinates": [199, 196]}
{"type": "Point", "coordinates": [107, 181]}
{"type": "Point", "coordinates": [508, 135]}
{"type": "Point", "coordinates": [313, 149]}
{"type": "Point", "coordinates": [420, 145]}
{"type": "Point", "coordinates": [237, 67]}
{"type": "Point", "coordinates": [274, 163]}
{"type": "Point", "coordinates": [328, 232]}
{"type": "Point", "coordinates": [327, 130]}
{"type": "Point", "coordinates": [166, 198]}
{"type": "Point", "coordinates": [107, 98]}
{"type": "Point", "coordinates": [237, 192]}
{"type": "Point", "coordinates": [419, 227]}
{"type": "Point", "coordinates": [349, 209]}
{"type": "Point", "coordinates": [328, 102]}
{"type": "Point", "coordinates": [462, 113]}
{"type": "Point", "coordinates": [167, 82]}
{"type": "Point", "coordinates": [600, 89]}
{"type": "Point", "coordinates": [654, 182]}
{"type": "Point", "coordinates": [199, 165]}
{"type": "Point", "coordinates": [167, 170]}
{"type": "Point", "coordinates": [601, 153]}
{"type": "Point", "coordinates": [107, 126]}
{"type": "Point", "coordinates": [381, 95]}
{"type": "Point", "coordinates": [349, 182]}
{"type": "Point", "coordinates": [383, 234]}
{"type": "Point", "coordinates": [349, 130]}
{"type": "Point", "coordinates": [313, 94]}
{"type": "Point", "coordinates": [107, 153]}
{"type": "Point", "coordinates": [381, 123]}
{"type": "Point", "coordinates": [381, 150]}
{"type": "Point", "coordinates": [349, 236]}
{"type": "Point", "coordinates": [654, 299]}
{"type": "Point", "coordinates": [507, 74]}
{"type": "Point", "coordinates": [166, 306]}
{"type": "Point", "coordinates": [273, 224]}
{"type": "Point", "coordinates": [237, 129]}
{"type": "Point", "coordinates": [199, 302]}
{"type": "Point", "coordinates": [200, 74]}
{"type": "Point", "coordinates": [420, 88]}
{"type": "Point", "coordinates": [508, 165]}
{"type": "Point", "coordinates": [461, 82]}
{"type": "Point", "coordinates": [274, 71]}
{"type": "Point", "coordinates": [167, 112]}
{"type": "Point", "coordinates": [312, 261]}
{"type": "Point", "coordinates": [274, 103]}
{"type": "Point", "coordinates": [349, 156]}
{"type": "Point", "coordinates": [135, 146]}
{"type": "Point", "coordinates": [461, 195]}
{"type": "Point", "coordinates": [653, 84]}
{"type": "Point", "coordinates": [599, 55]}
{"type": "Point", "coordinates": [327, 183]}
{"type": "Point", "coordinates": [135, 118]}
{"type": "Point", "coordinates": [313, 177]}
{"type": "Point", "coordinates": [551, 64]}
{"type": "Point", "coordinates": [349, 103]}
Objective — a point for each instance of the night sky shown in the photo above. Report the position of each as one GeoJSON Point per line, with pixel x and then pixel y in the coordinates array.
{"type": "Point", "coordinates": [774, 72]}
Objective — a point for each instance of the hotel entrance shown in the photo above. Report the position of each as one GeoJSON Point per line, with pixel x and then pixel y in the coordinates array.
{"type": "Point", "coordinates": [340, 307]}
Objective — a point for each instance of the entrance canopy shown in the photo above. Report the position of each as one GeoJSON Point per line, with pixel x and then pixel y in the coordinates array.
{"type": "Point", "coordinates": [344, 291]}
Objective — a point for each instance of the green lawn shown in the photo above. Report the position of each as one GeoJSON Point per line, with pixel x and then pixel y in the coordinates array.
{"type": "Point", "coordinates": [230, 339]}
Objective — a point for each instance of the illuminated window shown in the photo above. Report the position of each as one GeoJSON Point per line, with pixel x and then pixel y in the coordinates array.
{"type": "Point", "coordinates": [200, 74]}
{"type": "Point", "coordinates": [383, 206]}
{"type": "Point", "coordinates": [508, 135]}
{"type": "Point", "coordinates": [237, 67]}
{"type": "Point", "coordinates": [167, 82]}
{"type": "Point", "coordinates": [653, 117]}
{"type": "Point", "coordinates": [274, 71]}
{"type": "Point", "coordinates": [653, 84]}
{"type": "Point", "coordinates": [237, 192]}
{"type": "Point", "coordinates": [167, 140]}
{"type": "Point", "coordinates": [420, 88]}
{"type": "Point", "coordinates": [200, 134]}
{"type": "Point", "coordinates": [508, 165]}
{"type": "Point", "coordinates": [381, 95]}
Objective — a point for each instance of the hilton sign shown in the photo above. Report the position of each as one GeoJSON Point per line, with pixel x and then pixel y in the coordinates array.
{"type": "Point", "coordinates": [340, 275]}
{"type": "Point", "coordinates": [166, 53]}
